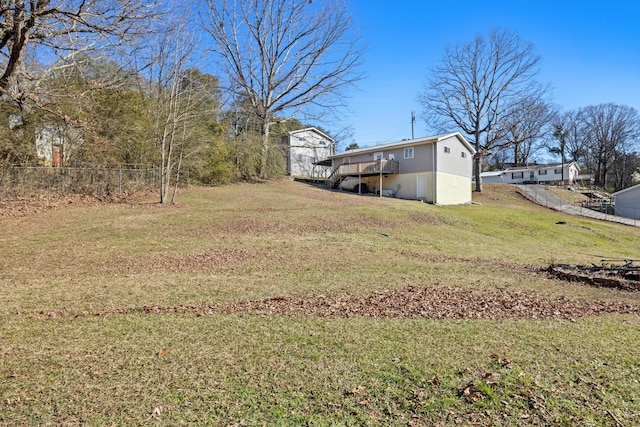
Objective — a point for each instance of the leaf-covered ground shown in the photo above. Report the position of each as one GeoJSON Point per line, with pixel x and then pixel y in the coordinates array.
{"type": "Point", "coordinates": [411, 302]}
{"type": "Point", "coordinates": [24, 206]}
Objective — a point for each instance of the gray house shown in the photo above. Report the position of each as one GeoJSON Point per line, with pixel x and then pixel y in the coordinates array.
{"type": "Point", "coordinates": [307, 147]}
{"type": "Point", "coordinates": [436, 169]}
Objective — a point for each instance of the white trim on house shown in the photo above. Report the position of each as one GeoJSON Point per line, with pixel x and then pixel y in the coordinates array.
{"type": "Point", "coordinates": [408, 152]}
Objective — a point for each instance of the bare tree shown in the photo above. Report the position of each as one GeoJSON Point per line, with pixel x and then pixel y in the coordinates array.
{"type": "Point", "coordinates": [284, 56]}
{"type": "Point", "coordinates": [609, 130]}
{"type": "Point", "coordinates": [476, 85]}
{"type": "Point", "coordinates": [45, 33]}
{"type": "Point", "coordinates": [569, 133]}
{"type": "Point", "coordinates": [175, 102]}
{"type": "Point", "coordinates": [525, 127]}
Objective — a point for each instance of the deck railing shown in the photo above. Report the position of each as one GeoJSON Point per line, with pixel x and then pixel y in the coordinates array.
{"type": "Point", "coordinates": [363, 169]}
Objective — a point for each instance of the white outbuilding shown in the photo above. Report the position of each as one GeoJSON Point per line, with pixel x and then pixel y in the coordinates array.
{"type": "Point", "coordinates": [627, 202]}
{"type": "Point", "coordinates": [306, 147]}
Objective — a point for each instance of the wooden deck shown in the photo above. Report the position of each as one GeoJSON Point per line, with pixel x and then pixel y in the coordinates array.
{"type": "Point", "coordinates": [377, 167]}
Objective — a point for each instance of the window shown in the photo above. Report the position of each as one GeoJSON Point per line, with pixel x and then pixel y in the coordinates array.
{"type": "Point", "coordinates": [447, 150]}
{"type": "Point", "coordinates": [542, 172]}
{"type": "Point", "coordinates": [558, 171]}
{"type": "Point", "coordinates": [408, 153]}
{"type": "Point", "coordinates": [517, 175]}
{"type": "Point", "coordinates": [377, 156]}
{"type": "Point", "coordinates": [392, 156]}
{"type": "Point", "coordinates": [463, 154]}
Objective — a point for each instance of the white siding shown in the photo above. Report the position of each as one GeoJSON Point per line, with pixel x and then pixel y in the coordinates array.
{"type": "Point", "coordinates": [452, 189]}
{"type": "Point", "coordinates": [492, 178]}
{"type": "Point", "coordinates": [305, 148]}
{"type": "Point", "coordinates": [453, 162]}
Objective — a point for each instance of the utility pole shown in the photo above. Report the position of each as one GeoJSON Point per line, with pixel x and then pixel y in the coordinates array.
{"type": "Point", "coordinates": [413, 120]}
{"type": "Point", "coordinates": [563, 135]}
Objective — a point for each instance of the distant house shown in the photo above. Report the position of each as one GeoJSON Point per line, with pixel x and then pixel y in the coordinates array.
{"type": "Point", "coordinates": [54, 141]}
{"type": "Point", "coordinates": [50, 142]}
{"type": "Point", "coordinates": [307, 147]}
{"type": "Point", "coordinates": [436, 169]}
{"type": "Point", "coordinates": [534, 174]}
{"type": "Point", "coordinates": [627, 202]}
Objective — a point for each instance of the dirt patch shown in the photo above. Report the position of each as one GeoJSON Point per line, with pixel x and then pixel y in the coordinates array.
{"type": "Point", "coordinates": [411, 302]}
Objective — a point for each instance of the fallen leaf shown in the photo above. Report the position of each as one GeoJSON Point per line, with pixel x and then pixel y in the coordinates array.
{"type": "Point", "coordinates": [157, 412]}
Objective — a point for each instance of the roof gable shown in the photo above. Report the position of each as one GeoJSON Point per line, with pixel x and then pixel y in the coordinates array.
{"type": "Point", "coordinates": [633, 188]}
{"type": "Point", "coordinates": [311, 129]}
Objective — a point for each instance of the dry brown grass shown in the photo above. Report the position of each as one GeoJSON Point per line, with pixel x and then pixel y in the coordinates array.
{"type": "Point", "coordinates": [93, 331]}
{"type": "Point", "coordinates": [571, 197]}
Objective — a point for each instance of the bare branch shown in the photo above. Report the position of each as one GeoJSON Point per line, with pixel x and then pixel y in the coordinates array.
{"type": "Point", "coordinates": [284, 55]}
{"type": "Point", "coordinates": [476, 86]}
{"type": "Point", "coordinates": [52, 31]}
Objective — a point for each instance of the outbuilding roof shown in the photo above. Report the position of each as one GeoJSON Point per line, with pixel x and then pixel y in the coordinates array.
{"type": "Point", "coordinates": [311, 129]}
{"type": "Point", "coordinates": [635, 187]}
{"type": "Point", "coordinates": [491, 173]}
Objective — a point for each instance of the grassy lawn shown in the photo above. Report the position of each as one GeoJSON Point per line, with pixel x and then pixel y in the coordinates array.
{"type": "Point", "coordinates": [76, 348]}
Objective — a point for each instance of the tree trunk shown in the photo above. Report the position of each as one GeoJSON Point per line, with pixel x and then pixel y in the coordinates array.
{"type": "Point", "coordinates": [477, 161]}
{"type": "Point", "coordinates": [264, 157]}
{"type": "Point", "coordinates": [477, 166]}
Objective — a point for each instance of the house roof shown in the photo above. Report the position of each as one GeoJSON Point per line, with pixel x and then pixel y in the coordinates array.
{"type": "Point", "coordinates": [635, 187]}
{"type": "Point", "coordinates": [537, 167]}
{"type": "Point", "coordinates": [407, 143]}
{"type": "Point", "coordinates": [312, 129]}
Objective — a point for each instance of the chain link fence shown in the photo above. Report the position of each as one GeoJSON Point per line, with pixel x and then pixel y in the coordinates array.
{"type": "Point", "coordinates": [20, 181]}
{"type": "Point", "coordinates": [600, 208]}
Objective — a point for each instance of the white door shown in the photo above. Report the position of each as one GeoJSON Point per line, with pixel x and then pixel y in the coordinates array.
{"type": "Point", "coordinates": [421, 186]}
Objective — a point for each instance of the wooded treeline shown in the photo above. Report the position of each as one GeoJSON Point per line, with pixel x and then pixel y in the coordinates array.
{"type": "Point", "coordinates": [112, 116]}
{"type": "Point", "coordinates": [113, 83]}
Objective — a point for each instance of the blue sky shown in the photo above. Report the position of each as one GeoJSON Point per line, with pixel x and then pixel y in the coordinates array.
{"type": "Point", "coordinates": [590, 53]}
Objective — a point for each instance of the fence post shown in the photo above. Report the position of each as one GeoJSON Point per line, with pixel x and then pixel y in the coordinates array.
{"type": "Point", "coordinates": [120, 180]}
